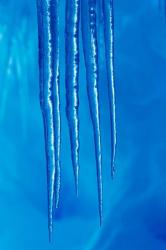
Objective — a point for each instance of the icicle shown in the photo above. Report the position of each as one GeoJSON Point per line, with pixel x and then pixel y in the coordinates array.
{"type": "Point", "coordinates": [54, 10]}
{"type": "Point", "coordinates": [72, 74]}
{"type": "Point", "coordinates": [108, 16]}
{"type": "Point", "coordinates": [49, 96]}
{"type": "Point", "coordinates": [89, 36]}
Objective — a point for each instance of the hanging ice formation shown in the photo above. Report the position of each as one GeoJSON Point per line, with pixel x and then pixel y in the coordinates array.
{"type": "Point", "coordinates": [72, 74]}
{"type": "Point", "coordinates": [49, 97]}
{"type": "Point", "coordinates": [108, 17]}
{"type": "Point", "coordinates": [91, 62]}
{"type": "Point", "coordinates": [48, 36]}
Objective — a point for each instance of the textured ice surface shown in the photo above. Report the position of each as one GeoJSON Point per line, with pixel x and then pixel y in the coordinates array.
{"type": "Point", "coordinates": [134, 203]}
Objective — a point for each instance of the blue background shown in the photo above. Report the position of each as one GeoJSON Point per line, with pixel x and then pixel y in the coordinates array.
{"type": "Point", "coordinates": [135, 202]}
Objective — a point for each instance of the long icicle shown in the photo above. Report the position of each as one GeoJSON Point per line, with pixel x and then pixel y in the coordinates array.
{"type": "Point", "coordinates": [55, 57]}
{"type": "Point", "coordinates": [89, 36]}
{"type": "Point", "coordinates": [49, 96]}
{"type": "Point", "coordinates": [108, 16]}
{"type": "Point", "coordinates": [72, 75]}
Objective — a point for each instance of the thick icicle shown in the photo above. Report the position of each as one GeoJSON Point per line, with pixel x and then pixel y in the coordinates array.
{"type": "Point", "coordinates": [89, 36]}
{"type": "Point", "coordinates": [49, 96]}
{"type": "Point", "coordinates": [108, 16]}
{"type": "Point", "coordinates": [72, 75]}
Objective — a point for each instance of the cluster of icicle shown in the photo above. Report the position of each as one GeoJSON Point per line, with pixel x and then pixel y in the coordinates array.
{"type": "Point", "coordinates": [49, 53]}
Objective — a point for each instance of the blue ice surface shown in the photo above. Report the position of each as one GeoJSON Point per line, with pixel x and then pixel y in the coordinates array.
{"type": "Point", "coordinates": [134, 203]}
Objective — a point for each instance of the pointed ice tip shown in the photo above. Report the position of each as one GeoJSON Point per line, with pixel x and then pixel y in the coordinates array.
{"type": "Point", "coordinates": [57, 204]}
{"type": "Point", "coordinates": [100, 214]}
{"type": "Point", "coordinates": [50, 232]}
{"type": "Point", "coordinates": [77, 192]}
{"type": "Point", "coordinates": [76, 183]}
{"type": "Point", "coordinates": [101, 219]}
{"type": "Point", "coordinates": [76, 188]}
{"type": "Point", "coordinates": [113, 171]}
{"type": "Point", "coordinates": [50, 235]}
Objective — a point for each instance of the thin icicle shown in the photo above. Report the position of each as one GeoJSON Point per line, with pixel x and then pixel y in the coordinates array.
{"type": "Point", "coordinates": [54, 12]}
{"type": "Point", "coordinates": [49, 96]}
{"type": "Point", "coordinates": [72, 74]}
{"type": "Point", "coordinates": [108, 16]}
{"type": "Point", "coordinates": [89, 36]}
